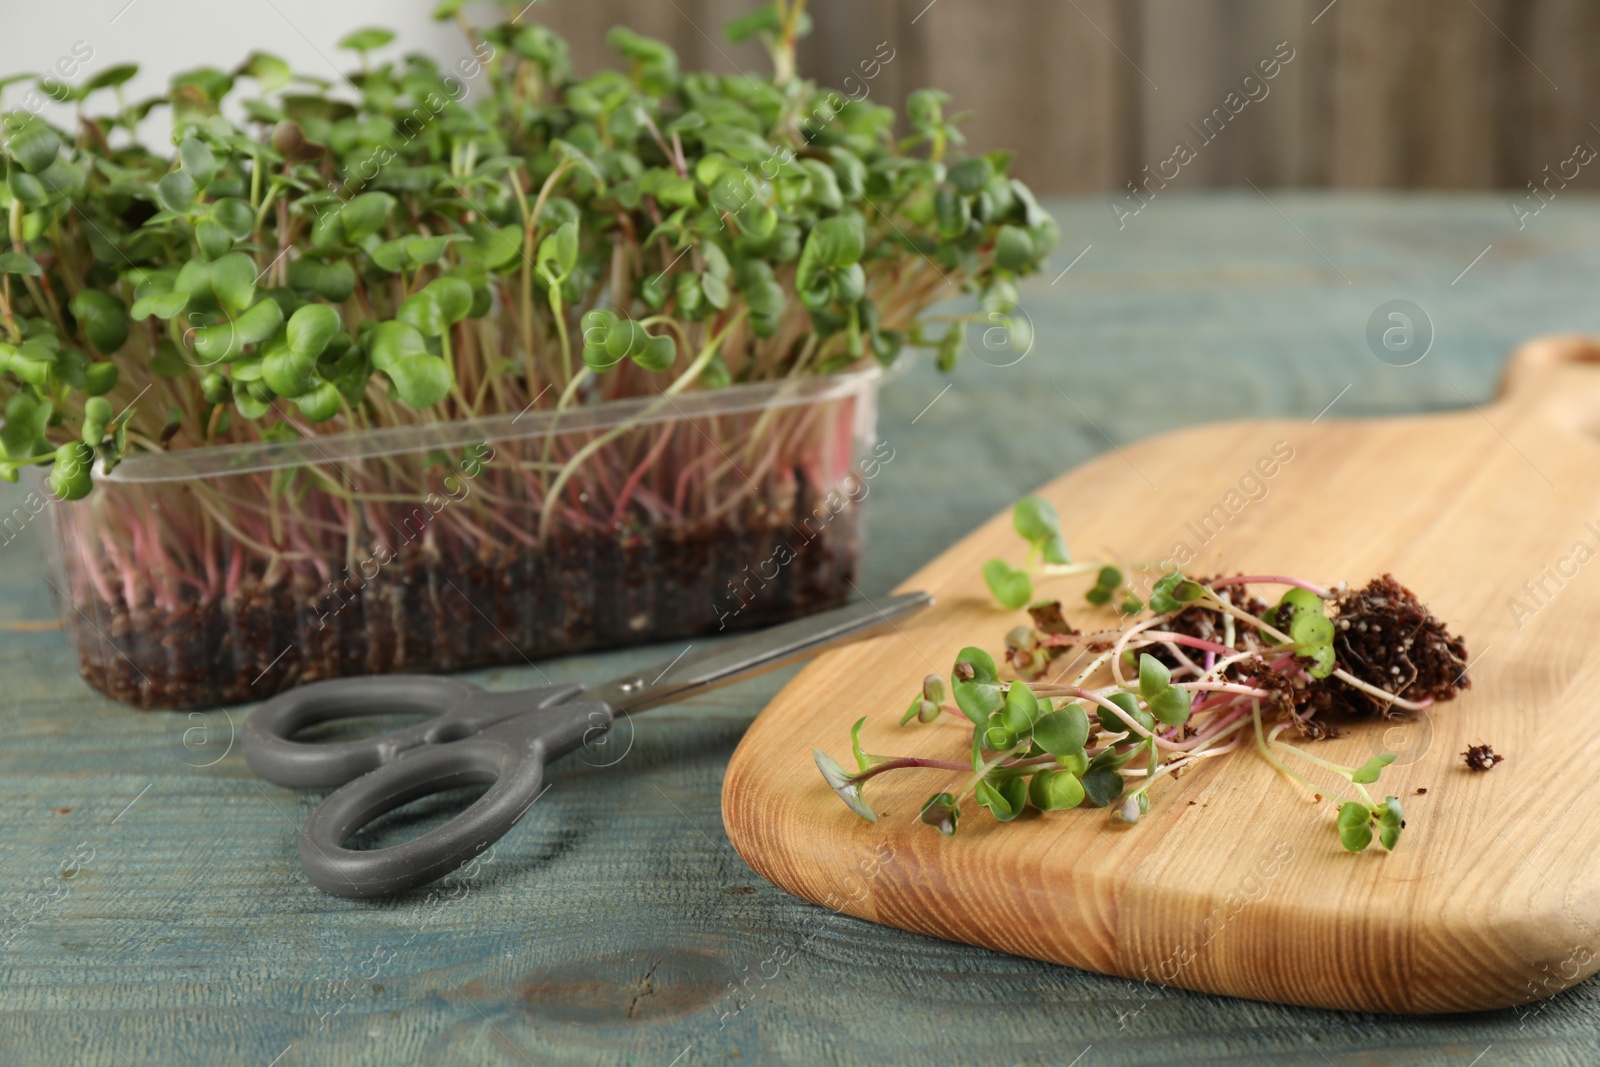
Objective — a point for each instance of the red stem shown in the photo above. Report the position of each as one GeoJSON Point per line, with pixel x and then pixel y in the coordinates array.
{"type": "Point", "coordinates": [1270, 579]}
{"type": "Point", "coordinates": [638, 474]}
{"type": "Point", "coordinates": [1192, 642]}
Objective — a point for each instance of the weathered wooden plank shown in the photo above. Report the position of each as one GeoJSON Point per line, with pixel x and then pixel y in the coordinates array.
{"type": "Point", "coordinates": [1073, 118]}
{"type": "Point", "coordinates": [1373, 48]}
{"type": "Point", "coordinates": [1452, 138]}
{"type": "Point", "coordinates": [848, 38]}
{"type": "Point", "coordinates": [1551, 96]}
{"type": "Point", "coordinates": [1232, 77]}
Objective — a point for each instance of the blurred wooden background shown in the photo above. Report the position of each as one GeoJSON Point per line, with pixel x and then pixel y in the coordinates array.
{"type": "Point", "coordinates": [1437, 94]}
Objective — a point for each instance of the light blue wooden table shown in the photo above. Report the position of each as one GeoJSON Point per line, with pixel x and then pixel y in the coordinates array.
{"type": "Point", "coordinates": [615, 925]}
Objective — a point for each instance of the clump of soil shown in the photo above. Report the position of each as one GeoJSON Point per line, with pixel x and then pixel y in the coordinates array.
{"type": "Point", "coordinates": [1386, 637]}
{"type": "Point", "coordinates": [427, 611]}
{"type": "Point", "coordinates": [1481, 757]}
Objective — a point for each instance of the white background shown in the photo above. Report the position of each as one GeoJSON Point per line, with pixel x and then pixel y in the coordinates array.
{"type": "Point", "coordinates": [168, 36]}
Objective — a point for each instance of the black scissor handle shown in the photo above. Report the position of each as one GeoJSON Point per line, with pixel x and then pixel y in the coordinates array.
{"type": "Point", "coordinates": [511, 756]}
{"type": "Point", "coordinates": [456, 709]}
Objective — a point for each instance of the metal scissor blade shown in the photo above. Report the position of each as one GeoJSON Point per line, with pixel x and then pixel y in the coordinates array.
{"type": "Point", "coordinates": [744, 657]}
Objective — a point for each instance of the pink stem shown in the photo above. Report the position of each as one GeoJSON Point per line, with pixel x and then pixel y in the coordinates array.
{"type": "Point", "coordinates": [1270, 579]}
{"type": "Point", "coordinates": [209, 559]}
{"type": "Point", "coordinates": [514, 529]}
{"type": "Point", "coordinates": [681, 492]}
{"type": "Point", "coordinates": [1217, 701]}
{"type": "Point", "coordinates": [1192, 642]}
{"type": "Point", "coordinates": [235, 570]}
{"type": "Point", "coordinates": [167, 568]}
{"type": "Point", "coordinates": [909, 761]}
{"type": "Point", "coordinates": [89, 560]}
{"type": "Point", "coordinates": [127, 571]}
{"type": "Point", "coordinates": [1210, 731]}
{"type": "Point", "coordinates": [654, 503]}
{"type": "Point", "coordinates": [637, 476]}
{"type": "Point", "coordinates": [1201, 708]}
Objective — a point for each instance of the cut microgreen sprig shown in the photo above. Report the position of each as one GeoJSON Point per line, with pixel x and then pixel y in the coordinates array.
{"type": "Point", "coordinates": [1037, 522]}
{"type": "Point", "coordinates": [1205, 667]}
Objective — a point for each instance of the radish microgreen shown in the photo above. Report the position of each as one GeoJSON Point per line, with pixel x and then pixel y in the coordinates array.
{"type": "Point", "coordinates": [1037, 522]}
{"type": "Point", "coordinates": [1194, 680]}
{"type": "Point", "coordinates": [530, 240]}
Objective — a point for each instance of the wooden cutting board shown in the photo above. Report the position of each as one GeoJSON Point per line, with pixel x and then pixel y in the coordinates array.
{"type": "Point", "coordinates": [1235, 882]}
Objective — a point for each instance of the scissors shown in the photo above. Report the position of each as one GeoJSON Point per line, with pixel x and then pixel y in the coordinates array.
{"type": "Point", "coordinates": [474, 737]}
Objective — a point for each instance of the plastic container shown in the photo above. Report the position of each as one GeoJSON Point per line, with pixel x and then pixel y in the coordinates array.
{"type": "Point", "coordinates": [211, 576]}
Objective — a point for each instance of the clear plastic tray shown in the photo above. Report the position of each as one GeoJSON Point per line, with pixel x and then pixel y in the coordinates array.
{"type": "Point", "coordinates": [210, 576]}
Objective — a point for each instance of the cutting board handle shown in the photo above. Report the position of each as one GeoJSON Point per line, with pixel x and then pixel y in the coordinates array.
{"type": "Point", "coordinates": [1558, 377]}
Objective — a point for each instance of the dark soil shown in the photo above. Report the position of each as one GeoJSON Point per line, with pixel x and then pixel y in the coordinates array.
{"type": "Point", "coordinates": [426, 612]}
{"type": "Point", "coordinates": [1386, 637]}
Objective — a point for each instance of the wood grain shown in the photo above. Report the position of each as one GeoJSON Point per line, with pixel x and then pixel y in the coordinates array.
{"type": "Point", "coordinates": [1235, 882]}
